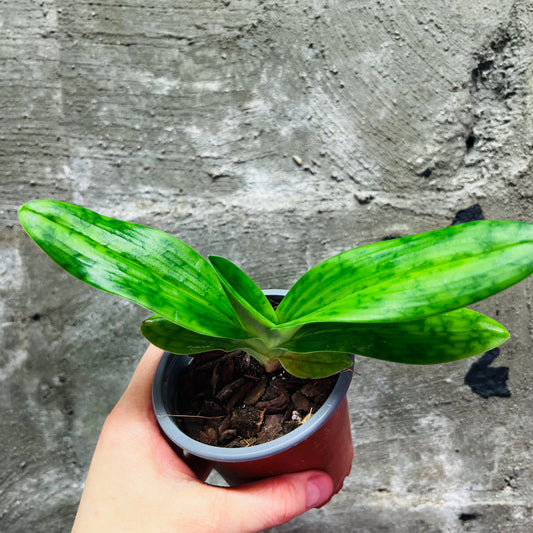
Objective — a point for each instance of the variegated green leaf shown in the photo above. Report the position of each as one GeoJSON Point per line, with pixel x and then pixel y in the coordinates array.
{"type": "Point", "coordinates": [436, 339]}
{"type": "Point", "coordinates": [412, 277]}
{"type": "Point", "coordinates": [251, 306]}
{"type": "Point", "coordinates": [144, 265]}
{"type": "Point", "coordinates": [245, 288]}
{"type": "Point", "coordinates": [314, 365]}
{"type": "Point", "coordinates": [175, 339]}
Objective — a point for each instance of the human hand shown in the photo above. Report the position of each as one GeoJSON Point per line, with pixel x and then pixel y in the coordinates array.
{"type": "Point", "coordinates": [137, 483]}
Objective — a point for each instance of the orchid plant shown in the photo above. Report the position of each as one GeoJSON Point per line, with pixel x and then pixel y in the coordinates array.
{"type": "Point", "coordinates": [400, 300]}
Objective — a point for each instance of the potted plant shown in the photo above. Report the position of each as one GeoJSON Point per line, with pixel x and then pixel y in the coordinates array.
{"type": "Point", "coordinates": [401, 300]}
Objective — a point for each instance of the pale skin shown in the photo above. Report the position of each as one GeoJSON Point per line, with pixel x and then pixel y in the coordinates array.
{"type": "Point", "coordinates": [137, 483]}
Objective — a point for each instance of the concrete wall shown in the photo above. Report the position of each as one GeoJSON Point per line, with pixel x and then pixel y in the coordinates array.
{"type": "Point", "coordinates": [187, 116]}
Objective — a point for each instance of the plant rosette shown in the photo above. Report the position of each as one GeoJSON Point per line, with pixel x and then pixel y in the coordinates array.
{"type": "Point", "coordinates": [401, 300]}
{"type": "Point", "coordinates": [324, 442]}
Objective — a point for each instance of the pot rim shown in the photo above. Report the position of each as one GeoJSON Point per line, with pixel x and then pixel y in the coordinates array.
{"type": "Point", "coordinates": [257, 451]}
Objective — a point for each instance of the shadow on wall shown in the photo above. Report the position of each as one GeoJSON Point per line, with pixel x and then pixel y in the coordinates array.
{"type": "Point", "coordinates": [486, 380]}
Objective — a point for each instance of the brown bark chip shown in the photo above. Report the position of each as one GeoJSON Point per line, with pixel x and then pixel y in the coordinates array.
{"type": "Point", "coordinates": [230, 400]}
{"type": "Point", "coordinates": [230, 389]}
{"type": "Point", "coordinates": [257, 392]}
{"type": "Point", "coordinates": [300, 402]}
{"type": "Point", "coordinates": [271, 429]}
{"type": "Point", "coordinates": [227, 371]}
{"type": "Point", "coordinates": [247, 420]}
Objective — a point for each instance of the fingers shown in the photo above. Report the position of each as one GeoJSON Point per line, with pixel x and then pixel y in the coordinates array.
{"type": "Point", "coordinates": [274, 501]}
{"type": "Point", "coordinates": [248, 508]}
{"type": "Point", "coordinates": [138, 395]}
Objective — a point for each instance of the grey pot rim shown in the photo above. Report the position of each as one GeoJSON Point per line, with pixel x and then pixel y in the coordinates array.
{"type": "Point", "coordinates": [255, 452]}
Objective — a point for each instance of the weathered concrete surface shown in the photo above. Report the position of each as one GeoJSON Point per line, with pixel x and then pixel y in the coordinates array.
{"type": "Point", "coordinates": [186, 116]}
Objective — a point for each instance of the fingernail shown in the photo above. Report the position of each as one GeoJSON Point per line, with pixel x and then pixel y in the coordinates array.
{"type": "Point", "coordinates": [319, 490]}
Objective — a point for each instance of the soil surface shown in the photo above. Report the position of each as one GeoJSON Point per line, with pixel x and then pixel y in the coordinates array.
{"type": "Point", "coordinates": [229, 400]}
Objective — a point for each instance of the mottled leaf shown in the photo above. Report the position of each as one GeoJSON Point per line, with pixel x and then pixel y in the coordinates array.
{"type": "Point", "coordinates": [175, 339]}
{"type": "Point", "coordinates": [412, 277]}
{"type": "Point", "coordinates": [436, 339]}
{"type": "Point", "coordinates": [144, 265]}
{"type": "Point", "coordinates": [251, 306]}
{"type": "Point", "coordinates": [314, 365]}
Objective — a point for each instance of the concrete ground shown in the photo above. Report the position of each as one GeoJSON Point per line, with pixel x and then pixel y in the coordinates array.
{"type": "Point", "coordinates": [275, 134]}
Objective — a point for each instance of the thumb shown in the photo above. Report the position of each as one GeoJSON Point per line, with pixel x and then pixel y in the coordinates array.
{"type": "Point", "coordinates": [274, 501]}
